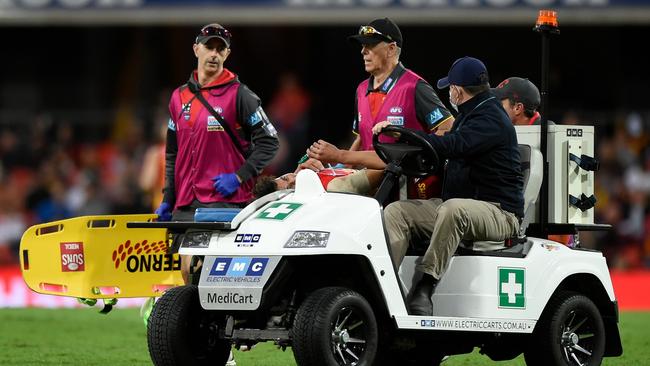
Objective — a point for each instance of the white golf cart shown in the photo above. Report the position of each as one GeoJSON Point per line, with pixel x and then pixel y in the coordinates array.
{"type": "Point", "coordinates": [312, 270]}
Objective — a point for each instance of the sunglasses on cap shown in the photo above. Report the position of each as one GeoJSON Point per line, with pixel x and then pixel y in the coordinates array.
{"type": "Point", "coordinates": [211, 30]}
{"type": "Point", "coordinates": [367, 30]}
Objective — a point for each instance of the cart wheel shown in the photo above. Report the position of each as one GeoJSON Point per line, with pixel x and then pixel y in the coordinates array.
{"type": "Point", "coordinates": [571, 334]}
{"type": "Point", "coordinates": [180, 332]}
{"type": "Point", "coordinates": [335, 326]}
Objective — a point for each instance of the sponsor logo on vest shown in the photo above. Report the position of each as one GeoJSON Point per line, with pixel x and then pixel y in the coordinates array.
{"type": "Point", "coordinates": [395, 120]}
{"type": "Point", "coordinates": [396, 110]}
{"type": "Point", "coordinates": [387, 85]}
{"type": "Point", "coordinates": [72, 257]}
{"type": "Point", "coordinates": [433, 117]}
{"type": "Point", "coordinates": [186, 109]}
{"type": "Point", "coordinates": [213, 124]}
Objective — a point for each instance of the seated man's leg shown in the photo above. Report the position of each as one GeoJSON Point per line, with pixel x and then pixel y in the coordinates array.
{"type": "Point", "coordinates": [406, 220]}
{"type": "Point", "coordinates": [467, 219]}
{"type": "Point", "coordinates": [459, 219]}
{"type": "Point", "coordinates": [356, 182]}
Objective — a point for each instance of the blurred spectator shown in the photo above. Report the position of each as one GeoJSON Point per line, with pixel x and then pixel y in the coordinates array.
{"type": "Point", "coordinates": [289, 109]}
{"type": "Point", "coordinates": [152, 174]}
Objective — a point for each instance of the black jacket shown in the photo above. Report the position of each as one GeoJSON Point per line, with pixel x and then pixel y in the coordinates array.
{"type": "Point", "coordinates": [483, 155]}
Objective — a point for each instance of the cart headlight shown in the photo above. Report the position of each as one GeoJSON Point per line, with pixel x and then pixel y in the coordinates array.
{"type": "Point", "coordinates": [308, 239]}
{"type": "Point", "coordinates": [196, 239]}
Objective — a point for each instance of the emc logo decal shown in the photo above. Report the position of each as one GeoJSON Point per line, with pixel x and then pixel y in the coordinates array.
{"type": "Point", "coordinates": [248, 238]}
{"type": "Point", "coordinates": [238, 267]}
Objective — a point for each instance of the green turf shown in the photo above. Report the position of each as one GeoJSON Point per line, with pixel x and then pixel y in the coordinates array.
{"type": "Point", "coordinates": [84, 337]}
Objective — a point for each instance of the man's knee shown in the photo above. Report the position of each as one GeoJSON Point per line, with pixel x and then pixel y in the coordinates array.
{"type": "Point", "coordinates": [394, 212]}
{"type": "Point", "coordinates": [453, 209]}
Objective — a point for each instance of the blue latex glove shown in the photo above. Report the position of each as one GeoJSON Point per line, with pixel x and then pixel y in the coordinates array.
{"type": "Point", "coordinates": [226, 184]}
{"type": "Point", "coordinates": [164, 212]}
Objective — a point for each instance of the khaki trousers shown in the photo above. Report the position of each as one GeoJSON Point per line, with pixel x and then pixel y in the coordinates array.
{"type": "Point", "coordinates": [446, 223]}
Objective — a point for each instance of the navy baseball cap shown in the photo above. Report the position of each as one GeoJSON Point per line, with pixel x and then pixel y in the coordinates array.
{"type": "Point", "coordinates": [377, 31]}
{"type": "Point", "coordinates": [214, 30]}
{"type": "Point", "coordinates": [466, 71]}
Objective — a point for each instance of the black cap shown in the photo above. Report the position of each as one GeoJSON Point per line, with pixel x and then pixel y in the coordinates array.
{"type": "Point", "coordinates": [214, 30]}
{"type": "Point", "coordinates": [520, 90]}
{"type": "Point", "coordinates": [379, 30]}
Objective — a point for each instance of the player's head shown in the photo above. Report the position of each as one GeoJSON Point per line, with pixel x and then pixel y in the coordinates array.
{"type": "Point", "coordinates": [267, 184]}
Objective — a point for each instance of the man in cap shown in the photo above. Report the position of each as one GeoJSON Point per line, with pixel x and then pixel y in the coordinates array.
{"type": "Point", "coordinates": [520, 98]}
{"type": "Point", "coordinates": [218, 136]}
{"type": "Point", "coordinates": [392, 93]}
{"type": "Point", "coordinates": [482, 195]}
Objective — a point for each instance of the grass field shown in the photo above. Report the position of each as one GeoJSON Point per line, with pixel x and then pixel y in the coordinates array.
{"type": "Point", "coordinates": [84, 337]}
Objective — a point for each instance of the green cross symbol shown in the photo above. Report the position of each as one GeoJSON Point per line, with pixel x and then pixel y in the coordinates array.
{"type": "Point", "coordinates": [278, 210]}
{"type": "Point", "coordinates": [511, 288]}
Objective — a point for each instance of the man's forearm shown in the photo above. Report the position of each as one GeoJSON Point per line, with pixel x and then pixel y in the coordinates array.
{"type": "Point", "coordinates": [367, 159]}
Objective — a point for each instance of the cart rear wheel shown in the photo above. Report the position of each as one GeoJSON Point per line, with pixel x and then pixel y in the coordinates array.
{"type": "Point", "coordinates": [570, 334]}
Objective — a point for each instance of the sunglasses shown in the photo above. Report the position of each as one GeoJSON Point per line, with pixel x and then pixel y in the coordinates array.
{"type": "Point", "coordinates": [211, 30]}
{"type": "Point", "coordinates": [367, 30]}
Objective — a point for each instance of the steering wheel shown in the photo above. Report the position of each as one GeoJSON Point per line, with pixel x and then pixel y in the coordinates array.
{"type": "Point", "coordinates": [412, 152]}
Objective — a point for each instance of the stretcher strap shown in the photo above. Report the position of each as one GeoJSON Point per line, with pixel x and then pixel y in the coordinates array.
{"type": "Point", "coordinates": [585, 162]}
{"type": "Point", "coordinates": [584, 203]}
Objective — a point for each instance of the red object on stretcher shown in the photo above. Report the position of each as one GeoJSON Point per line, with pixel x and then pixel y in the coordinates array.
{"type": "Point", "coordinates": [326, 175]}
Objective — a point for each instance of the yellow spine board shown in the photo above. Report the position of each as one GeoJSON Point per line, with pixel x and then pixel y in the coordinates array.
{"type": "Point", "coordinates": [97, 257]}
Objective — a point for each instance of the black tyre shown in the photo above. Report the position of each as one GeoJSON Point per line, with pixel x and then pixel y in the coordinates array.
{"type": "Point", "coordinates": [570, 333]}
{"type": "Point", "coordinates": [180, 332]}
{"type": "Point", "coordinates": [335, 326]}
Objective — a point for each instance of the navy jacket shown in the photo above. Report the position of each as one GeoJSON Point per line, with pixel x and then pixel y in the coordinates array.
{"type": "Point", "coordinates": [483, 155]}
